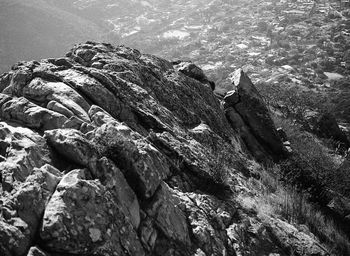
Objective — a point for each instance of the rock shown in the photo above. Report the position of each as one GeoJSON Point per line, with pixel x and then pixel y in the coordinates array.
{"type": "Point", "coordinates": [40, 90]}
{"type": "Point", "coordinates": [18, 80]}
{"type": "Point", "coordinates": [207, 225]}
{"type": "Point", "coordinates": [94, 89]}
{"type": "Point", "coordinates": [282, 134]}
{"type": "Point", "coordinates": [231, 99]}
{"type": "Point", "coordinates": [168, 218]}
{"type": "Point", "coordinates": [82, 218]}
{"type": "Point", "coordinates": [28, 203]}
{"type": "Point", "coordinates": [250, 141]}
{"type": "Point", "coordinates": [113, 179]}
{"type": "Point", "coordinates": [143, 165]}
{"type": "Point", "coordinates": [73, 145]}
{"type": "Point", "coordinates": [293, 241]}
{"type": "Point", "coordinates": [24, 112]}
{"type": "Point", "coordinates": [22, 151]}
{"type": "Point", "coordinates": [99, 116]}
{"type": "Point", "coordinates": [255, 115]}
{"type": "Point", "coordinates": [58, 107]}
{"type": "Point", "coordinates": [35, 251]}
{"type": "Point", "coordinates": [148, 163]}
{"type": "Point", "coordinates": [193, 71]}
{"type": "Point", "coordinates": [13, 240]}
{"type": "Point", "coordinates": [85, 54]}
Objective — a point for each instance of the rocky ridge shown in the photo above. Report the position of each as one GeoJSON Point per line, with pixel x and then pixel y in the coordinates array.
{"type": "Point", "coordinates": [108, 151]}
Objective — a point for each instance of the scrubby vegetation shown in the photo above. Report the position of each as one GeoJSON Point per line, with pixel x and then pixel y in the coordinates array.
{"type": "Point", "coordinates": [276, 199]}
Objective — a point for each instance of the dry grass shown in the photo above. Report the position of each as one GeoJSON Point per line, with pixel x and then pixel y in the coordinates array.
{"type": "Point", "coordinates": [273, 199]}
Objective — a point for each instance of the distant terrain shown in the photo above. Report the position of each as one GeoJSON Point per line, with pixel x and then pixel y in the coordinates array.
{"type": "Point", "coordinates": [35, 29]}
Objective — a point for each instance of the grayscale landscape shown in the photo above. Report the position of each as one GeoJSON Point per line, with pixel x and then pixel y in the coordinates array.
{"type": "Point", "coordinates": [174, 128]}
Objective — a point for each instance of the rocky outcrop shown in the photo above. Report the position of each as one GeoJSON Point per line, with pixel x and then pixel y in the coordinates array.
{"type": "Point", "coordinates": [248, 114]}
{"type": "Point", "coordinates": [108, 151]}
{"type": "Point", "coordinates": [193, 71]}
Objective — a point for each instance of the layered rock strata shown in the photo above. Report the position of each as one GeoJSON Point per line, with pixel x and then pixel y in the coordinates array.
{"type": "Point", "coordinates": [108, 151]}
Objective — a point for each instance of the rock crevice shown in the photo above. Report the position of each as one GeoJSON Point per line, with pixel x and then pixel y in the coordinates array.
{"type": "Point", "coordinates": [112, 152]}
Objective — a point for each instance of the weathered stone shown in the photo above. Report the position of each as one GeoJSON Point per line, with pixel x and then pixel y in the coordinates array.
{"type": "Point", "coordinates": [19, 79]}
{"type": "Point", "coordinates": [113, 179]}
{"type": "Point", "coordinates": [246, 135]}
{"type": "Point", "coordinates": [83, 218]}
{"type": "Point", "coordinates": [5, 80]}
{"type": "Point", "coordinates": [40, 90]}
{"type": "Point", "coordinates": [193, 71]}
{"type": "Point", "coordinates": [22, 150]}
{"type": "Point", "coordinates": [73, 145]}
{"type": "Point", "coordinates": [85, 54]}
{"type": "Point", "coordinates": [164, 209]}
{"type": "Point", "coordinates": [143, 165]}
{"type": "Point", "coordinates": [29, 203]}
{"type": "Point", "coordinates": [22, 111]}
{"type": "Point", "coordinates": [13, 240]}
{"type": "Point", "coordinates": [58, 107]}
{"type": "Point", "coordinates": [255, 115]}
{"type": "Point", "coordinates": [99, 116]}
{"type": "Point", "coordinates": [231, 99]}
{"type": "Point", "coordinates": [35, 251]}
{"type": "Point", "coordinates": [95, 90]}
{"type": "Point", "coordinates": [165, 182]}
{"type": "Point", "coordinates": [148, 234]}
{"type": "Point", "coordinates": [208, 219]}
{"type": "Point", "coordinates": [294, 241]}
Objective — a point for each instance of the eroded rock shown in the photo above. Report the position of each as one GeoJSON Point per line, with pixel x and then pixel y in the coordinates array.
{"type": "Point", "coordinates": [248, 104]}
{"type": "Point", "coordinates": [22, 150]}
{"type": "Point", "coordinates": [26, 207]}
{"type": "Point", "coordinates": [142, 164]}
{"type": "Point", "coordinates": [82, 218]}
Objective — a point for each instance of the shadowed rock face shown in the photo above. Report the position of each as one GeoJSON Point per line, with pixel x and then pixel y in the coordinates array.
{"type": "Point", "coordinates": [108, 151]}
{"type": "Point", "coordinates": [247, 113]}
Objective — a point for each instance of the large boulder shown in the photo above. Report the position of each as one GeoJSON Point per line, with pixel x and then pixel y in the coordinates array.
{"type": "Point", "coordinates": [193, 71]}
{"type": "Point", "coordinates": [21, 150]}
{"type": "Point", "coordinates": [73, 145]}
{"type": "Point", "coordinates": [253, 114]}
{"type": "Point", "coordinates": [164, 228]}
{"type": "Point", "coordinates": [293, 241]}
{"type": "Point", "coordinates": [24, 209]}
{"type": "Point", "coordinates": [113, 179]}
{"type": "Point", "coordinates": [142, 164]}
{"type": "Point", "coordinates": [22, 111]}
{"type": "Point", "coordinates": [82, 218]}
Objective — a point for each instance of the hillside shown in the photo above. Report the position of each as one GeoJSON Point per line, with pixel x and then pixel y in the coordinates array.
{"type": "Point", "coordinates": [223, 130]}
{"type": "Point", "coordinates": [35, 29]}
{"type": "Point", "coordinates": [109, 151]}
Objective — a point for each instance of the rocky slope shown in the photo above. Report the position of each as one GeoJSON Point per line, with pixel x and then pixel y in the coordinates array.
{"type": "Point", "coordinates": [108, 151]}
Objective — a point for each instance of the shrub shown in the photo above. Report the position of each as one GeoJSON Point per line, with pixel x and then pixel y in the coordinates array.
{"type": "Point", "coordinates": [312, 165]}
{"type": "Point", "coordinates": [289, 203]}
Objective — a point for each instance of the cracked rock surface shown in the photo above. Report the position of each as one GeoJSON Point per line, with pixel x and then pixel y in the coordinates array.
{"type": "Point", "coordinates": [108, 151]}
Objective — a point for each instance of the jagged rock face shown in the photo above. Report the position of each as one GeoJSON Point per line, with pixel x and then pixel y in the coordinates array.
{"type": "Point", "coordinates": [248, 114]}
{"type": "Point", "coordinates": [192, 70]}
{"type": "Point", "coordinates": [112, 152]}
